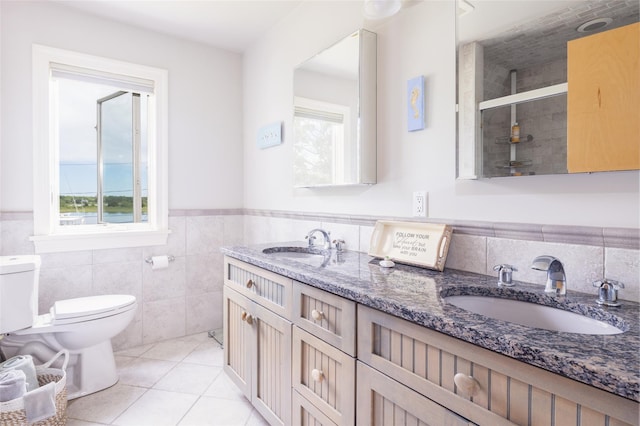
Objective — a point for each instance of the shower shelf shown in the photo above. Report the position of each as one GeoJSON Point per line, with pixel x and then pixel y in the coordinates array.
{"type": "Point", "coordinates": [505, 140]}
{"type": "Point", "coordinates": [515, 164]}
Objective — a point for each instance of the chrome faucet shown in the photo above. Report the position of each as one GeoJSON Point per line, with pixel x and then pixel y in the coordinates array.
{"type": "Point", "coordinates": [325, 235]}
{"type": "Point", "coordinates": [556, 279]}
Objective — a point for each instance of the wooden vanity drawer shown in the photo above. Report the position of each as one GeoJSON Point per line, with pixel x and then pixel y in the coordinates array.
{"type": "Point", "coordinates": [271, 290]}
{"type": "Point", "coordinates": [385, 402]}
{"type": "Point", "coordinates": [324, 376]}
{"type": "Point", "coordinates": [325, 315]}
{"type": "Point", "coordinates": [306, 414]}
{"type": "Point", "coordinates": [502, 390]}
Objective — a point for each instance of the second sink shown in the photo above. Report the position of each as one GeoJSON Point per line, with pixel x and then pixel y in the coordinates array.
{"type": "Point", "coordinates": [532, 315]}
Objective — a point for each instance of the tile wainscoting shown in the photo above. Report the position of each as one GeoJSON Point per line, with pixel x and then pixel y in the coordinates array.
{"type": "Point", "coordinates": [186, 298]}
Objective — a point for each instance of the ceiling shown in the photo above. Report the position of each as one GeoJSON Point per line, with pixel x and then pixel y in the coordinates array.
{"type": "Point", "coordinates": [228, 24]}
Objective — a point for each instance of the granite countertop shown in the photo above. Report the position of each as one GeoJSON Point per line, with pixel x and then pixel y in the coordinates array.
{"type": "Point", "coordinates": [608, 362]}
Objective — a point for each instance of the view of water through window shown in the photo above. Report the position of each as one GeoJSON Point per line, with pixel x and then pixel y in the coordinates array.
{"type": "Point", "coordinates": [86, 156]}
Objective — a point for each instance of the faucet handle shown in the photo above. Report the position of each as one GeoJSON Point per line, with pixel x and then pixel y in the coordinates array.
{"type": "Point", "coordinates": [613, 283]}
{"type": "Point", "coordinates": [339, 244]}
{"type": "Point", "coordinates": [608, 292]}
{"type": "Point", "coordinates": [505, 274]}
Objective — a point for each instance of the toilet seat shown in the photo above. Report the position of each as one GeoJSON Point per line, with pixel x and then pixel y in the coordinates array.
{"type": "Point", "coordinates": [71, 311]}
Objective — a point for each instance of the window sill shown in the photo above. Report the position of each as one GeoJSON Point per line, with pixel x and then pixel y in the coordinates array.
{"type": "Point", "coordinates": [98, 240]}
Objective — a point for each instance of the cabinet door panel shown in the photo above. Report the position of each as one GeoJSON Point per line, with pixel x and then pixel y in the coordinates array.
{"type": "Point", "coordinates": [272, 366]}
{"type": "Point", "coordinates": [603, 120]}
{"type": "Point", "coordinates": [238, 340]}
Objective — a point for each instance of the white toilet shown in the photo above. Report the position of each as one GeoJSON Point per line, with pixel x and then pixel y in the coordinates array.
{"type": "Point", "coordinates": [84, 326]}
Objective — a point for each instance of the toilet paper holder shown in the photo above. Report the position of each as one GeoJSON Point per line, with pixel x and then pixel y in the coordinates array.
{"type": "Point", "coordinates": [149, 259]}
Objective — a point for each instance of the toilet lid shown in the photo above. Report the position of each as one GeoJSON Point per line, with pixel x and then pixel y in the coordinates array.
{"type": "Point", "coordinates": [86, 308]}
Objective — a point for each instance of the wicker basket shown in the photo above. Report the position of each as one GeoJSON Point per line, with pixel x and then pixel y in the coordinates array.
{"type": "Point", "coordinates": [12, 412]}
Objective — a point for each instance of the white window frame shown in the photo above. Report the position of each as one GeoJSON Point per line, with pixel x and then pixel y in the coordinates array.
{"type": "Point", "coordinates": [49, 236]}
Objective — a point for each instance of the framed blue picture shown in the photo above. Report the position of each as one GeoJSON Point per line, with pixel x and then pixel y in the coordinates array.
{"type": "Point", "coordinates": [415, 104]}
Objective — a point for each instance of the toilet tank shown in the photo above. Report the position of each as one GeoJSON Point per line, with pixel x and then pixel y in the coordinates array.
{"type": "Point", "coordinates": [18, 292]}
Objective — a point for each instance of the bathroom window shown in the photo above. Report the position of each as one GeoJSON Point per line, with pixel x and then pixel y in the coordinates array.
{"type": "Point", "coordinates": [321, 153]}
{"type": "Point", "coordinates": [100, 152]}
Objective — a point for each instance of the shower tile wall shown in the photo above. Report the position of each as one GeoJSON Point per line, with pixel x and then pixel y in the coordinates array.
{"type": "Point", "coordinates": [545, 120]}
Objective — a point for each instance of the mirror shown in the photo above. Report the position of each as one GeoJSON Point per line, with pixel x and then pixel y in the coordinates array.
{"type": "Point", "coordinates": [512, 78]}
{"type": "Point", "coordinates": [334, 123]}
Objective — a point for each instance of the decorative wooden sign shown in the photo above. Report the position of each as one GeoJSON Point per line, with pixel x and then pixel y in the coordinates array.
{"type": "Point", "coordinates": [413, 243]}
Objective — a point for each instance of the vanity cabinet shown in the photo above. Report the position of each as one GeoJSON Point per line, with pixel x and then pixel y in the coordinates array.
{"type": "Point", "coordinates": [257, 338]}
{"type": "Point", "coordinates": [488, 388]}
{"type": "Point", "coordinates": [304, 356]}
{"type": "Point", "coordinates": [603, 122]}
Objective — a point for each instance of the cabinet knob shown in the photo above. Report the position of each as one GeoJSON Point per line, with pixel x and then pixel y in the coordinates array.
{"type": "Point", "coordinates": [317, 315]}
{"type": "Point", "coordinates": [467, 385]}
{"type": "Point", "coordinates": [317, 375]}
{"type": "Point", "coordinates": [249, 283]}
{"type": "Point", "coordinates": [246, 317]}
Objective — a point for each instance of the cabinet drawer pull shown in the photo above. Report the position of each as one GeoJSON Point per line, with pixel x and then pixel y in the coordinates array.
{"type": "Point", "coordinates": [317, 375]}
{"type": "Point", "coordinates": [467, 385]}
{"type": "Point", "coordinates": [246, 317]}
{"type": "Point", "coordinates": [317, 315]}
{"type": "Point", "coordinates": [249, 283]}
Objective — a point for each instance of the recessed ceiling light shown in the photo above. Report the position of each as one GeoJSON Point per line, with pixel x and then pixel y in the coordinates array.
{"type": "Point", "coordinates": [594, 25]}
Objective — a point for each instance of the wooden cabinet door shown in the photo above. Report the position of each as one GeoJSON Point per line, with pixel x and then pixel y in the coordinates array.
{"type": "Point", "coordinates": [238, 336]}
{"type": "Point", "coordinates": [603, 122]}
{"type": "Point", "coordinates": [384, 402]}
{"type": "Point", "coordinates": [271, 381]}
{"type": "Point", "coordinates": [257, 356]}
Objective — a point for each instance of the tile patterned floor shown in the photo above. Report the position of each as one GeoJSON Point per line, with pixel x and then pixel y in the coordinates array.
{"type": "Point", "coordinates": [175, 382]}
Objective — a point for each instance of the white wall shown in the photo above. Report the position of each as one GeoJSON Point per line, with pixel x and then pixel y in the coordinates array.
{"type": "Point", "coordinates": [205, 95]}
{"type": "Point", "coordinates": [418, 41]}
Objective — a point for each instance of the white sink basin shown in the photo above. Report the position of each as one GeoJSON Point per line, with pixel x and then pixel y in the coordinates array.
{"type": "Point", "coordinates": [310, 256]}
{"type": "Point", "coordinates": [532, 315]}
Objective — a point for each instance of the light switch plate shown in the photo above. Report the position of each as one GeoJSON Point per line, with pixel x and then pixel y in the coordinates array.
{"type": "Point", "coordinates": [269, 135]}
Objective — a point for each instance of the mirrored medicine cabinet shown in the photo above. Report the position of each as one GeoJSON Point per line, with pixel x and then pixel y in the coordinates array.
{"type": "Point", "coordinates": [518, 67]}
{"type": "Point", "coordinates": [334, 122]}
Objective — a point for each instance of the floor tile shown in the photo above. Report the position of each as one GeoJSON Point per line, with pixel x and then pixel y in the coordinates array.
{"type": "Point", "coordinates": [135, 351]}
{"type": "Point", "coordinates": [256, 420]}
{"type": "Point", "coordinates": [171, 350]}
{"type": "Point", "coordinates": [188, 378]}
{"type": "Point", "coordinates": [217, 412]}
{"type": "Point", "coordinates": [144, 372]}
{"type": "Point", "coordinates": [207, 353]}
{"type": "Point", "coordinates": [179, 381]}
{"type": "Point", "coordinates": [222, 387]}
{"type": "Point", "coordinates": [106, 405]}
{"type": "Point", "coordinates": [76, 422]}
{"type": "Point", "coordinates": [157, 408]}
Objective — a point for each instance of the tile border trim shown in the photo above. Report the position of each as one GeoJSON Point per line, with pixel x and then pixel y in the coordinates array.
{"type": "Point", "coordinates": [626, 238]}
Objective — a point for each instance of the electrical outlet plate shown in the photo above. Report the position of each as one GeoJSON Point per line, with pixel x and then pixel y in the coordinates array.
{"type": "Point", "coordinates": [419, 204]}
